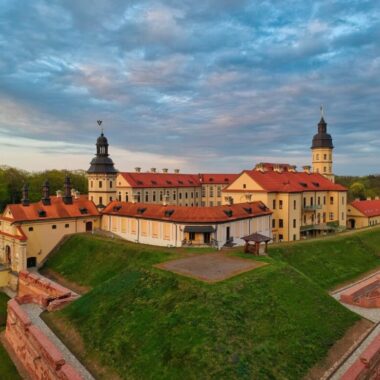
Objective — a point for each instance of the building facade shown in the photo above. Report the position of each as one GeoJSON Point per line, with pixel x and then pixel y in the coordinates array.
{"type": "Point", "coordinates": [361, 214]}
{"type": "Point", "coordinates": [176, 226]}
{"type": "Point", "coordinates": [30, 231]}
{"type": "Point", "coordinates": [304, 204]}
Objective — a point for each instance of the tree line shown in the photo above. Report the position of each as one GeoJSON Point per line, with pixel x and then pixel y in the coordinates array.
{"type": "Point", "coordinates": [12, 181]}
{"type": "Point", "coordinates": [360, 187]}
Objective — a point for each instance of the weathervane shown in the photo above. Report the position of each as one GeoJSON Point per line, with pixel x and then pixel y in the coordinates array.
{"type": "Point", "coordinates": [321, 108]}
{"type": "Point", "coordinates": [100, 124]}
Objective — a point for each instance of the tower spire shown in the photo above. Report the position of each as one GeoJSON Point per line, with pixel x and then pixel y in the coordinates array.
{"type": "Point", "coordinates": [100, 125]}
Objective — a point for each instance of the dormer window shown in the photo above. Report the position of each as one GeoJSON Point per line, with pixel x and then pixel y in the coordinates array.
{"type": "Point", "coordinates": [141, 210]}
{"type": "Point", "coordinates": [229, 213]}
{"type": "Point", "coordinates": [83, 210]}
{"type": "Point", "coordinates": [41, 213]}
{"type": "Point", "coordinates": [168, 213]}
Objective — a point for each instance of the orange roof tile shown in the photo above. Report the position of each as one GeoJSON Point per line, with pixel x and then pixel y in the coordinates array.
{"type": "Point", "coordinates": [57, 210]}
{"type": "Point", "coordinates": [217, 214]}
{"type": "Point", "coordinates": [217, 178]}
{"type": "Point", "coordinates": [368, 208]}
{"type": "Point", "coordinates": [292, 182]}
{"type": "Point", "coordinates": [142, 180]}
{"type": "Point", "coordinates": [170, 180]}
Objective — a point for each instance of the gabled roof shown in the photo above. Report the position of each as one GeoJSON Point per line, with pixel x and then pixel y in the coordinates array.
{"type": "Point", "coordinates": [369, 207]}
{"type": "Point", "coordinates": [217, 214]}
{"type": "Point", "coordinates": [291, 182]}
{"type": "Point", "coordinates": [165, 180]}
{"type": "Point", "coordinates": [80, 207]}
{"type": "Point", "coordinates": [217, 178]}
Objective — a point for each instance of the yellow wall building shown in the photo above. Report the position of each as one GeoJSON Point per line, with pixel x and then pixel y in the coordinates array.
{"type": "Point", "coordinates": [176, 226]}
{"type": "Point", "coordinates": [361, 214]}
{"type": "Point", "coordinates": [303, 203]}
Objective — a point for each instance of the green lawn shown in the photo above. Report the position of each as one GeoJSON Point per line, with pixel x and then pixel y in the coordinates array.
{"type": "Point", "coordinates": [271, 323]}
{"type": "Point", "coordinates": [7, 369]}
{"type": "Point", "coordinates": [333, 261]}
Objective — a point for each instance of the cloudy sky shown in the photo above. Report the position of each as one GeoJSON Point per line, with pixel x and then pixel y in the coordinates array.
{"type": "Point", "coordinates": [211, 85]}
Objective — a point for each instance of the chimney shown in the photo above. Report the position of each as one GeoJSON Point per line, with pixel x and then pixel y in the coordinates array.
{"type": "Point", "coordinates": [134, 198]}
{"type": "Point", "coordinates": [165, 170]}
{"type": "Point", "coordinates": [368, 198]}
{"type": "Point", "coordinates": [292, 168]}
{"type": "Point", "coordinates": [25, 195]}
{"type": "Point", "coordinates": [67, 197]}
{"type": "Point", "coordinates": [166, 200]}
{"type": "Point", "coordinates": [59, 193]}
{"type": "Point", "coordinates": [176, 171]}
{"type": "Point", "coordinates": [46, 193]}
{"type": "Point", "coordinates": [153, 170]}
{"type": "Point", "coordinates": [77, 195]}
{"type": "Point", "coordinates": [73, 191]}
{"type": "Point", "coordinates": [260, 167]}
{"type": "Point", "coordinates": [137, 170]}
{"type": "Point", "coordinates": [306, 169]}
{"type": "Point", "coordinates": [277, 168]}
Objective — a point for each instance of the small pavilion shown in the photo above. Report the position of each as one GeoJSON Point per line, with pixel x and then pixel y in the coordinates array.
{"type": "Point", "coordinates": [253, 241]}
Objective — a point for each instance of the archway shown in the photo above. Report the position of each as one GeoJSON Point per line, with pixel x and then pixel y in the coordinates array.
{"type": "Point", "coordinates": [8, 254]}
{"type": "Point", "coordinates": [351, 223]}
{"type": "Point", "coordinates": [88, 226]}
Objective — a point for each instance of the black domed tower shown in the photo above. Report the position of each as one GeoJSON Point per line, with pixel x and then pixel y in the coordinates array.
{"type": "Point", "coordinates": [322, 148]}
{"type": "Point", "coordinates": [102, 175]}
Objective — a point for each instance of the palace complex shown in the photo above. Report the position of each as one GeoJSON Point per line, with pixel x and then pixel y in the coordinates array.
{"type": "Point", "coordinates": [271, 202]}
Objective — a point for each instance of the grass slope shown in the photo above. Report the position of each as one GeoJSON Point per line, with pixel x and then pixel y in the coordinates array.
{"type": "Point", "coordinates": [7, 369]}
{"type": "Point", "coordinates": [332, 261]}
{"type": "Point", "coordinates": [271, 323]}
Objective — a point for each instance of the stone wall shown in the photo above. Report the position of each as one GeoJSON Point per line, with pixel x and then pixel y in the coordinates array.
{"type": "Point", "coordinates": [49, 295]}
{"type": "Point", "coordinates": [38, 355]}
{"type": "Point", "coordinates": [364, 294]}
{"type": "Point", "coordinates": [367, 366]}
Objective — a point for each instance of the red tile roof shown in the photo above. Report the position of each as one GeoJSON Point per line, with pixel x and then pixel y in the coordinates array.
{"type": "Point", "coordinates": [218, 178]}
{"type": "Point", "coordinates": [142, 180]}
{"type": "Point", "coordinates": [215, 214]}
{"type": "Point", "coordinates": [165, 180]}
{"type": "Point", "coordinates": [57, 210]}
{"type": "Point", "coordinates": [292, 182]}
{"type": "Point", "coordinates": [368, 208]}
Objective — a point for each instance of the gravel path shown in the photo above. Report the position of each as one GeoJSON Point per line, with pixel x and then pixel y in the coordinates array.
{"type": "Point", "coordinates": [34, 312]}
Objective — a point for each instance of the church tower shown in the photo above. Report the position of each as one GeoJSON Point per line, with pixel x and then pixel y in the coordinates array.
{"type": "Point", "coordinates": [102, 175]}
{"type": "Point", "coordinates": [322, 151]}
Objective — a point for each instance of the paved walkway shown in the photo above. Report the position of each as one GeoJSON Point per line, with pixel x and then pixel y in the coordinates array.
{"type": "Point", "coordinates": [34, 312]}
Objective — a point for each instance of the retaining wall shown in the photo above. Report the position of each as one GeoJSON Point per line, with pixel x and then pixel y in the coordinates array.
{"type": "Point", "coordinates": [49, 295]}
{"type": "Point", "coordinates": [39, 356]}
{"type": "Point", "coordinates": [367, 367]}
{"type": "Point", "coordinates": [365, 294]}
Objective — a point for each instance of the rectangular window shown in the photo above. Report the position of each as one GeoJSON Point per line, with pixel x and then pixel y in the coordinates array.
{"type": "Point", "coordinates": [294, 237]}
{"type": "Point", "coordinates": [203, 191]}
{"type": "Point", "coordinates": [331, 216]}
{"type": "Point", "coordinates": [126, 197]}
{"type": "Point", "coordinates": [100, 184]}
{"type": "Point", "coordinates": [53, 227]}
{"type": "Point", "coordinates": [324, 200]}
{"type": "Point", "coordinates": [219, 191]}
{"type": "Point", "coordinates": [331, 200]}
{"type": "Point", "coordinates": [319, 201]}
{"type": "Point", "coordinates": [280, 205]}
{"type": "Point", "coordinates": [30, 229]}
{"type": "Point", "coordinates": [294, 223]}
{"type": "Point", "coordinates": [273, 223]}
{"type": "Point", "coordinates": [211, 203]}
{"type": "Point", "coordinates": [211, 191]}
{"type": "Point", "coordinates": [281, 223]}
{"type": "Point", "coordinates": [295, 205]}
{"type": "Point", "coordinates": [180, 195]}
{"type": "Point", "coordinates": [342, 200]}
{"type": "Point", "coordinates": [67, 225]}
{"type": "Point", "coordinates": [154, 196]}
{"type": "Point", "coordinates": [111, 184]}
{"type": "Point", "coordinates": [146, 197]}
{"type": "Point", "coordinates": [274, 204]}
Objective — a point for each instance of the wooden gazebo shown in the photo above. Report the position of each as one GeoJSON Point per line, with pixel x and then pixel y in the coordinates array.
{"type": "Point", "coordinates": [256, 239]}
